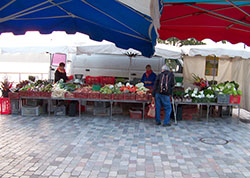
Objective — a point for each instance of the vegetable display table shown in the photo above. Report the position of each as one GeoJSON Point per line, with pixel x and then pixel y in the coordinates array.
{"type": "Point", "coordinates": [208, 107]}
{"type": "Point", "coordinates": [111, 101]}
{"type": "Point", "coordinates": [80, 101]}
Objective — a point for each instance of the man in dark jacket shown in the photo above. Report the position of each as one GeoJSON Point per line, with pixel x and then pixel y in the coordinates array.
{"type": "Point", "coordinates": [163, 89]}
{"type": "Point", "coordinates": [60, 73]}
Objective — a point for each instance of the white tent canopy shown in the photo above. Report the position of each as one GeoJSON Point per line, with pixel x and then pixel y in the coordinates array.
{"type": "Point", "coordinates": [217, 50]}
{"type": "Point", "coordinates": [37, 49]}
{"type": "Point", "coordinates": [60, 42]}
{"type": "Point", "coordinates": [109, 48]}
{"type": "Point", "coordinates": [148, 7]}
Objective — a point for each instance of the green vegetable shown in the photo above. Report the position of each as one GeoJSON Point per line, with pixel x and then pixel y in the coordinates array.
{"type": "Point", "coordinates": [106, 89]}
{"type": "Point", "coordinates": [239, 92]}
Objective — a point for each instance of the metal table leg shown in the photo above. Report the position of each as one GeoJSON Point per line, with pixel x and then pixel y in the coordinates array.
{"type": "Point", "coordinates": [200, 110]}
{"type": "Point", "coordinates": [238, 114]}
{"type": "Point", "coordinates": [143, 110]}
{"type": "Point", "coordinates": [176, 109]}
{"type": "Point", "coordinates": [80, 107]}
{"type": "Point", "coordinates": [49, 106]}
{"type": "Point", "coordinates": [20, 105]}
{"type": "Point", "coordinates": [208, 107]}
{"type": "Point", "coordinates": [111, 109]}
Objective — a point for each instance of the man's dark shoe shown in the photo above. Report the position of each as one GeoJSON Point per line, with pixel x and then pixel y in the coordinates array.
{"type": "Point", "coordinates": [166, 125]}
{"type": "Point", "coordinates": [157, 123]}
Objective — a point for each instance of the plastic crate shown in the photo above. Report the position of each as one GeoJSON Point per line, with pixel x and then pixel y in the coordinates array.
{"type": "Point", "coordinates": [5, 106]}
{"type": "Point", "coordinates": [106, 96]}
{"type": "Point", "coordinates": [135, 114]}
{"type": "Point", "coordinates": [23, 93]}
{"type": "Point", "coordinates": [143, 97]}
{"type": "Point", "coordinates": [13, 96]}
{"type": "Point", "coordinates": [33, 94]}
{"type": "Point", "coordinates": [29, 93]}
{"type": "Point", "coordinates": [101, 111]}
{"type": "Point", "coordinates": [107, 80]}
{"type": "Point", "coordinates": [117, 96]}
{"type": "Point", "coordinates": [81, 95]}
{"type": "Point", "coordinates": [30, 110]}
{"type": "Point", "coordinates": [234, 99]}
{"type": "Point", "coordinates": [45, 94]}
{"type": "Point", "coordinates": [92, 80]}
{"type": "Point", "coordinates": [60, 111]}
{"type": "Point", "coordinates": [69, 95]}
{"type": "Point", "coordinates": [223, 99]}
{"type": "Point", "coordinates": [187, 116]}
{"type": "Point", "coordinates": [129, 96]}
{"type": "Point", "coordinates": [94, 96]}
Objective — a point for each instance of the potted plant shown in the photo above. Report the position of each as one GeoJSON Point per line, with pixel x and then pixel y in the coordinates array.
{"type": "Point", "coordinates": [5, 87]}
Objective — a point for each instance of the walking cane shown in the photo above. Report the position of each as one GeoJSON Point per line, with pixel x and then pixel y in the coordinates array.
{"type": "Point", "coordinates": [174, 109]}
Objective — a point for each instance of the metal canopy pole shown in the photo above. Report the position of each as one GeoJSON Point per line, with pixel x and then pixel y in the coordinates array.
{"type": "Point", "coordinates": [50, 65]}
{"type": "Point", "coordinates": [130, 55]}
{"type": "Point", "coordinates": [220, 16]}
{"type": "Point", "coordinates": [214, 69]}
{"type": "Point", "coordinates": [237, 7]}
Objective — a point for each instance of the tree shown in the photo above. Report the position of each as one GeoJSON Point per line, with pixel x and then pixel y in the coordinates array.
{"type": "Point", "coordinates": [176, 42]}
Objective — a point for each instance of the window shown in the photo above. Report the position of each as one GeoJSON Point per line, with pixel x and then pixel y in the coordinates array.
{"type": "Point", "coordinates": [174, 65]}
{"type": "Point", "coordinates": [57, 58]}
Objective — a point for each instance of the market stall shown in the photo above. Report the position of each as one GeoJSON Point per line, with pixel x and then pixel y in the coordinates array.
{"type": "Point", "coordinates": [98, 89]}
{"type": "Point", "coordinates": [220, 64]}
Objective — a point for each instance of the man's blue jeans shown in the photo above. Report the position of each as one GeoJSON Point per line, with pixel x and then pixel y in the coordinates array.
{"type": "Point", "coordinates": [162, 100]}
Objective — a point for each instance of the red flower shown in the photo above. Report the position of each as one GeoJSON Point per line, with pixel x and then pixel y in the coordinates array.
{"type": "Point", "coordinates": [203, 85]}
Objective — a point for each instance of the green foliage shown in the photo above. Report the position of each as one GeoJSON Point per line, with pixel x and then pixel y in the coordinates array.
{"type": "Point", "coordinates": [176, 42]}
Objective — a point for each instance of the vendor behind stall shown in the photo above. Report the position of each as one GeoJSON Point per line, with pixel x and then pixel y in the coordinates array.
{"type": "Point", "coordinates": [61, 73]}
{"type": "Point", "coordinates": [148, 77]}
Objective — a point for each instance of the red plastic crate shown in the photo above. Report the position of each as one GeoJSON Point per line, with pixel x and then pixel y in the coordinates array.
{"type": "Point", "coordinates": [107, 80]}
{"type": "Point", "coordinates": [129, 96]}
{"type": "Point", "coordinates": [106, 96]}
{"type": "Point", "coordinates": [94, 96]}
{"type": "Point", "coordinates": [92, 80]}
{"type": "Point", "coordinates": [69, 95]}
{"type": "Point", "coordinates": [5, 106]}
{"type": "Point", "coordinates": [117, 96]}
{"type": "Point", "coordinates": [45, 94]}
{"type": "Point", "coordinates": [23, 93]}
{"type": "Point", "coordinates": [135, 114]}
{"type": "Point", "coordinates": [13, 96]}
{"type": "Point", "coordinates": [81, 95]}
{"type": "Point", "coordinates": [33, 94]}
{"type": "Point", "coordinates": [187, 117]}
{"type": "Point", "coordinates": [234, 99]}
{"type": "Point", "coordinates": [143, 97]}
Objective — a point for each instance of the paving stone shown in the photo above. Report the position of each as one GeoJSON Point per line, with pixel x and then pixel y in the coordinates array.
{"type": "Point", "coordinates": [98, 147]}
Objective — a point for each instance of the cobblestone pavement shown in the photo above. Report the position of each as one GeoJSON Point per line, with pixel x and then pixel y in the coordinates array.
{"type": "Point", "coordinates": [98, 147]}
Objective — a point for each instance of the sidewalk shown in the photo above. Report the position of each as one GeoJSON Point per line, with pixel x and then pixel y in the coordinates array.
{"type": "Point", "coordinates": [60, 147]}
